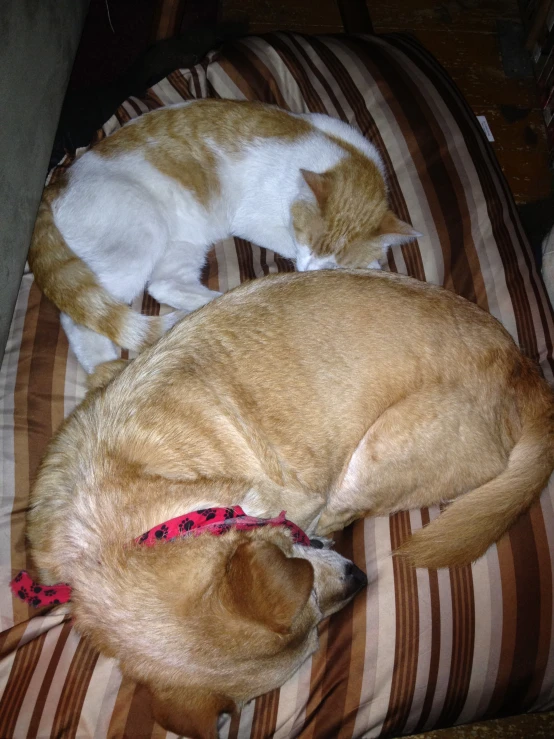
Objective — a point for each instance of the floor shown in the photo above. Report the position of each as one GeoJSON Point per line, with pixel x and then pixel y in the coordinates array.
{"type": "Point", "coordinates": [463, 35]}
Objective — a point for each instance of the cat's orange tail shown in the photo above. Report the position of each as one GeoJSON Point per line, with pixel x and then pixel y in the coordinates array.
{"type": "Point", "coordinates": [72, 286]}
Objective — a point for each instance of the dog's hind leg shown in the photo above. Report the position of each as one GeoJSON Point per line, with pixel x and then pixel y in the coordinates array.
{"type": "Point", "coordinates": [428, 448]}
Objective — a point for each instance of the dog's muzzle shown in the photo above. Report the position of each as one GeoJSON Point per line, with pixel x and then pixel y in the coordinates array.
{"type": "Point", "coordinates": [356, 579]}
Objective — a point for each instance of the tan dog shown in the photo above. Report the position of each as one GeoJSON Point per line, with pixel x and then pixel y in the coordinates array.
{"type": "Point", "coordinates": [332, 395]}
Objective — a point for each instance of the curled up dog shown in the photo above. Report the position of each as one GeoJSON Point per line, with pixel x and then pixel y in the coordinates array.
{"type": "Point", "coordinates": [330, 395]}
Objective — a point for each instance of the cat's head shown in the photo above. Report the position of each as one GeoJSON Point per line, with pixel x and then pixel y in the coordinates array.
{"type": "Point", "coordinates": [349, 224]}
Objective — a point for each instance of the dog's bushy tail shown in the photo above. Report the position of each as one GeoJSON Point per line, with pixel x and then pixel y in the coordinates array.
{"type": "Point", "coordinates": [72, 286]}
{"type": "Point", "coordinates": [474, 521]}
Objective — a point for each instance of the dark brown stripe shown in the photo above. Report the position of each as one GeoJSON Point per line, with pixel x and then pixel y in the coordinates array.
{"type": "Point", "coordinates": [150, 306]}
{"type": "Point", "coordinates": [509, 626]}
{"type": "Point", "coordinates": [23, 668]}
{"type": "Point", "coordinates": [195, 82]}
{"type": "Point", "coordinates": [265, 715]}
{"type": "Point", "coordinates": [151, 99]}
{"type": "Point", "coordinates": [545, 602]}
{"type": "Point", "coordinates": [72, 697]}
{"type": "Point", "coordinates": [325, 81]}
{"type": "Point", "coordinates": [234, 727]}
{"type": "Point", "coordinates": [40, 382]}
{"type": "Point", "coordinates": [407, 632]}
{"type": "Point", "coordinates": [263, 260]}
{"type": "Point", "coordinates": [309, 95]}
{"type": "Point", "coordinates": [257, 81]}
{"type": "Point", "coordinates": [121, 708]}
{"type": "Point", "coordinates": [210, 271]}
{"type": "Point", "coordinates": [528, 615]}
{"type": "Point", "coordinates": [58, 380]}
{"type": "Point", "coordinates": [245, 259]}
{"type": "Point", "coordinates": [181, 85]}
{"type": "Point", "coordinates": [282, 264]}
{"type": "Point", "coordinates": [10, 638]}
{"type": "Point", "coordinates": [47, 680]}
{"type": "Point", "coordinates": [356, 667]}
{"type": "Point", "coordinates": [122, 116]}
{"type": "Point", "coordinates": [140, 723]}
{"type": "Point", "coordinates": [463, 636]}
{"type": "Point", "coordinates": [133, 103]}
{"type": "Point", "coordinates": [435, 625]}
{"type": "Point", "coordinates": [338, 656]}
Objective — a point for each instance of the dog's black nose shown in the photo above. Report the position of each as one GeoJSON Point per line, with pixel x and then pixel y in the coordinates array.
{"type": "Point", "coordinates": [357, 579]}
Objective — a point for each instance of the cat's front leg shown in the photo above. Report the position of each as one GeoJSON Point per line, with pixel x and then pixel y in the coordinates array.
{"type": "Point", "coordinates": [184, 297]}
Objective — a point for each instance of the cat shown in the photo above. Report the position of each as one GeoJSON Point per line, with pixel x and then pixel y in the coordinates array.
{"type": "Point", "coordinates": [143, 207]}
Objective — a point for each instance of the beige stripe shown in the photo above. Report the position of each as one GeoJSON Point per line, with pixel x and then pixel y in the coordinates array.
{"type": "Point", "coordinates": [75, 383]}
{"type": "Point", "coordinates": [120, 712]}
{"type": "Point", "coordinates": [287, 85]}
{"type": "Point", "coordinates": [381, 633]}
{"type": "Point", "coordinates": [108, 704]}
{"type": "Point", "coordinates": [28, 705]}
{"type": "Point", "coordinates": [497, 616]}
{"type": "Point", "coordinates": [140, 105]}
{"type": "Point", "coordinates": [223, 84]}
{"type": "Point", "coordinates": [99, 699]}
{"type": "Point", "coordinates": [546, 699]}
{"type": "Point", "coordinates": [483, 635]}
{"type": "Point", "coordinates": [129, 109]}
{"type": "Point", "coordinates": [314, 694]}
{"type": "Point", "coordinates": [246, 718]}
{"type": "Point", "coordinates": [317, 86]}
{"type": "Point", "coordinates": [58, 682]}
{"type": "Point", "coordinates": [203, 80]}
{"type": "Point", "coordinates": [167, 93]}
{"type": "Point", "coordinates": [445, 605]}
{"type": "Point", "coordinates": [229, 270]}
{"type": "Point", "coordinates": [58, 402]}
{"type": "Point", "coordinates": [223, 727]}
{"type": "Point", "coordinates": [293, 699]}
{"type": "Point", "coordinates": [425, 637]}
{"type": "Point", "coordinates": [111, 125]}
{"type": "Point", "coordinates": [272, 267]}
{"type": "Point", "coordinates": [371, 628]}
{"type": "Point", "coordinates": [8, 377]}
{"type": "Point", "coordinates": [257, 261]}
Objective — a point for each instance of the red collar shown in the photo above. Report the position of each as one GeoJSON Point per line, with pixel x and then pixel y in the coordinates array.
{"type": "Point", "coordinates": [215, 521]}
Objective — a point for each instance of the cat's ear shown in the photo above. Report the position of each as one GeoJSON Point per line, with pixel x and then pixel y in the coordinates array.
{"type": "Point", "coordinates": [319, 184]}
{"type": "Point", "coordinates": [394, 231]}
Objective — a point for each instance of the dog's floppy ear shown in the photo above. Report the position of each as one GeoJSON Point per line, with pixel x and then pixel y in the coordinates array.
{"type": "Point", "coordinates": [189, 712]}
{"type": "Point", "coordinates": [267, 586]}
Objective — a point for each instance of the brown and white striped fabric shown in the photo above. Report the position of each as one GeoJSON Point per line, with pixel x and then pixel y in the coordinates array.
{"type": "Point", "coordinates": [418, 649]}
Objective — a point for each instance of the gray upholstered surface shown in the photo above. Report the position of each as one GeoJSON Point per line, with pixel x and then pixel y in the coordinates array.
{"type": "Point", "coordinates": [38, 42]}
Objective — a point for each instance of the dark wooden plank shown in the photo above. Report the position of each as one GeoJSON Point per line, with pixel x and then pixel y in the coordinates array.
{"type": "Point", "coordinates": [355, 16]}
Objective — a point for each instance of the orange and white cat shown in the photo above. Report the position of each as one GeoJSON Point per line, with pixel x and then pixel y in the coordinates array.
{"type": "Point", "coordinates": [143, 207]}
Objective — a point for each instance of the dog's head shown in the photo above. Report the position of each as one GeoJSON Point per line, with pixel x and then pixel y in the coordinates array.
{"type": "Point", "coordinates": [208, 623]}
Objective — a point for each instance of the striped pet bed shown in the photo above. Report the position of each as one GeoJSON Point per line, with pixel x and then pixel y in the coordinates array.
{"type": "Point", "coordinates": [418, 649]}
